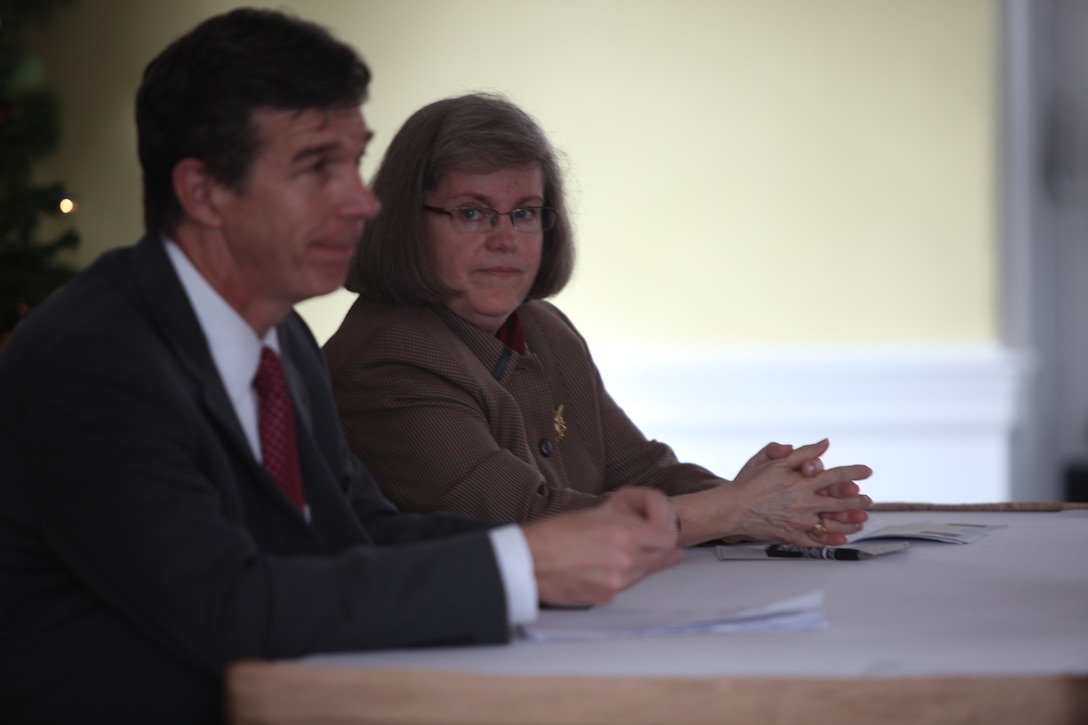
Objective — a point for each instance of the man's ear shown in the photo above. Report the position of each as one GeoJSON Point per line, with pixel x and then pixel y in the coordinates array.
{"type": "Point", "coordinates": [197, 192]}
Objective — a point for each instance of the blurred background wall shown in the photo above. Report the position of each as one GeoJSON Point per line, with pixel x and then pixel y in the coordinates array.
{"type": "Point", "coordinates": [790, 214]}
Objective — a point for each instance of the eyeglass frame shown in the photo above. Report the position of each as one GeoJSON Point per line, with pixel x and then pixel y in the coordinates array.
{"type": "Point", "coordinates": [494, 214]}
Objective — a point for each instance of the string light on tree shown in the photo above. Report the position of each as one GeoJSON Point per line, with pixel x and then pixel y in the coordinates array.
{"type": "Point", "coordinates": [33, 259]}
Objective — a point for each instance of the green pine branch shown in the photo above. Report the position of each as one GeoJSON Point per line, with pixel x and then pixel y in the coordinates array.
{"type": "Point", "coordinates": [30, 269]}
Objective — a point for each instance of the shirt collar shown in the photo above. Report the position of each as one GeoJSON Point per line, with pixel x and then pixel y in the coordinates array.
{"type": "Point", "coordinates": [234, 345]}
{"type": "Point", "coordinates": [513, 334]}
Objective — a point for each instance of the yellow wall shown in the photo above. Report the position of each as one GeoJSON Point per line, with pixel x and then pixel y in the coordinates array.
{"type": "Point", "coordinates": [742, 171]}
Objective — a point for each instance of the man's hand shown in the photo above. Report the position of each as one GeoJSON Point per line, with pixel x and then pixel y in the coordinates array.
{"type": "Point", "coordinates": [587, 557]}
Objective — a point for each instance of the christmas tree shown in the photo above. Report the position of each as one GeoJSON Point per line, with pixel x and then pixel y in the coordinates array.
{"type": "Point", "coordinates": [29, 129]}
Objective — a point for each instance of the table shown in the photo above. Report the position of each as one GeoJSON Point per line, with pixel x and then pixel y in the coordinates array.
{"type": "Point", "coordinates": [995, 631]}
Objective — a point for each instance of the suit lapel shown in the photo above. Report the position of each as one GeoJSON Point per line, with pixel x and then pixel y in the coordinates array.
{"type": "Point", "coordinates": [177, 324]}
{"type": "Point", "coordinates": [299, 391]}
{"type": "Point", "coordinates": [333, 520]}
{"type": "Point", "coordinates": [311, 461]}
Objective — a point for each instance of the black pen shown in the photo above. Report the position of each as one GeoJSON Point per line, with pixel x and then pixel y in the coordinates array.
{"type": "Point", "coordinates": [786, 551]}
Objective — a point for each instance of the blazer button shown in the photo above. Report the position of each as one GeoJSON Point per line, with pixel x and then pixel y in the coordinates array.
{"type": "Point", "coordinates": [545, 446]}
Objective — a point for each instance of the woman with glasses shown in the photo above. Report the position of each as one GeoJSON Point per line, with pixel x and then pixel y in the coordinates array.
{"type": "Point", "coordinates": [463, 390]}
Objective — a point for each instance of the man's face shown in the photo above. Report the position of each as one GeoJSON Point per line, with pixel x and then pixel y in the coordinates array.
{"type": "Point", "coordinates": [291, 230]}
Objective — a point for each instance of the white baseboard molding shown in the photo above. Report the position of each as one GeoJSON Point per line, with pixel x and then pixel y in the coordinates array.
{"type": "Point", "coordinates": [934, 422]}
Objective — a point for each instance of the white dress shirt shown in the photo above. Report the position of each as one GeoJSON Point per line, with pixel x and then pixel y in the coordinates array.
{"type": "Point", "coordinates": [236, 350]}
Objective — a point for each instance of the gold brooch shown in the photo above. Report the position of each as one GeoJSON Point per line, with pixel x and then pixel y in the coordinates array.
{"type": "Point", "coordinates": [560, 424]}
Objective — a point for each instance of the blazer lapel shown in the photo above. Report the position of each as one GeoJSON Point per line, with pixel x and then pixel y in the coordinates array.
{"type": "Point", "coordinates": [299, 391]}
{"type": "Point", "coordinates": [317, 431]}
{"type": "Point", "coordinates": [177, 324]}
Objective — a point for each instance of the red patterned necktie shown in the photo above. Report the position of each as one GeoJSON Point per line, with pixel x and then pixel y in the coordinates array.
{"type": "Point", "coordinates": [279, 449]}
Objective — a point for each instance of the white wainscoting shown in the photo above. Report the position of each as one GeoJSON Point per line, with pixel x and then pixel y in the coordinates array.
{"type": "Point", "coordinates": [933, 422]}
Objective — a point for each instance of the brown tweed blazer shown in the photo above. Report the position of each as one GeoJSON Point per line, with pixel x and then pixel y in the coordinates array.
{"type": "Point", "coordinates": [449, 418]}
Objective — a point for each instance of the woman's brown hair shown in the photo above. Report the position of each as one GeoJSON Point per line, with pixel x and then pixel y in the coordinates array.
{"type": "Point", "coordinates": [477, 133]}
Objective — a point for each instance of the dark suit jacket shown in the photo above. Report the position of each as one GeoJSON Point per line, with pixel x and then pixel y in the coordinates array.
{"type": "Point", "coordinates": [450, 419]}
{"type": "Point", "coordinates": [143, 547]}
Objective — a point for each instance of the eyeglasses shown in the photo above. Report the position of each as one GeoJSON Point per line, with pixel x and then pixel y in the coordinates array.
{"type": "Point", "coordinates": [470, 219]}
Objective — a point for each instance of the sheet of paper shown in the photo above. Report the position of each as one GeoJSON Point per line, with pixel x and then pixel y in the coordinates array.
{"type": "Point", "coordinates": [949, 533]}
{"type": "Point", "coordinates": [800, 613]}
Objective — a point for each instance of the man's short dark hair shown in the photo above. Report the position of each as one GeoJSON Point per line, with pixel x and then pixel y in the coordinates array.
{"type": "Point", "coordinates": [477, 133]}
{"type": "Point", "coordinates": [198, 96]}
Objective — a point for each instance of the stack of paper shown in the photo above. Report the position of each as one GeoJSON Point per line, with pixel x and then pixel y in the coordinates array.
{"type": "Point", "coordinates": [950, 533]}
{"type": "Point", "coordinates": [800, 613]}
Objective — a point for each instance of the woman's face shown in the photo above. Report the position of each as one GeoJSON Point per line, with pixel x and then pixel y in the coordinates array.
{"type": "Point", "coordinates": [492, 270]}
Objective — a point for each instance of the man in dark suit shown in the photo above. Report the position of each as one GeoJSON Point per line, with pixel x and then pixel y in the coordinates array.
{"type": "Point", "coordinates": [162, 512]}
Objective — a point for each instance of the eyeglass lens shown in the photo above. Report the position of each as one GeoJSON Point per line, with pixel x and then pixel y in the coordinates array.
{"type": "Point", "coordinates": [524, 219]}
